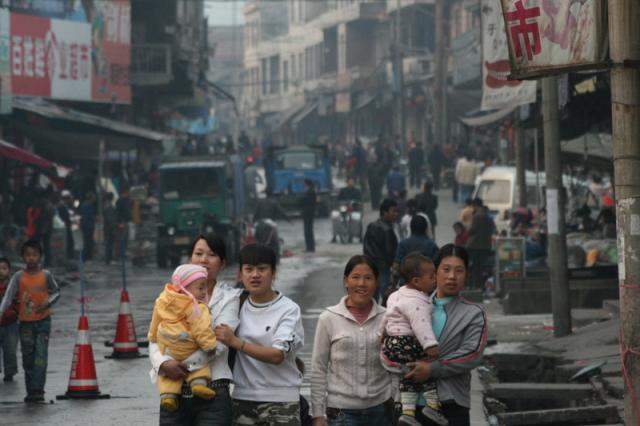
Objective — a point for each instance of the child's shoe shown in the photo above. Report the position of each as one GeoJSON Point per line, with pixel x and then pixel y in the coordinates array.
{"type": "Point", "coordinates": [200, 389]}
{"type": "Point", "coordinates": [169, 403]}
{"type": "Point", "coordinates": [433, 409]}
{"type": "Point", "coordinates": [406, 420]}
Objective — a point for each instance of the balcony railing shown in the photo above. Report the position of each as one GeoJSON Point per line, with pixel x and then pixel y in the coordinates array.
{"type": "Point", "coordinates": [151, 64]}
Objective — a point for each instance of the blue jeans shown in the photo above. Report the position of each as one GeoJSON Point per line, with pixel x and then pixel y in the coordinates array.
{"type": "Point", "coordinates": [384, 275]}
{"type": "Point", "coordinates": [34, 342]}
{"type": "Point", "coordinates": [373, 416]}
{"type": "Point", "coordinates": [8, 347]}
{"type": "Point", "coordinates": [464, 192]}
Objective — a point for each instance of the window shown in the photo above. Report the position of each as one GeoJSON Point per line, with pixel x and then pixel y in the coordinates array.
{"type": "Point", "coordinates": [298, 160]}
{"type": "Point", "coordinates": [177, 184]}
{"type": "Point", "coordinates": [265, 76]}
{"type": "Point", "coordinates": [274, 74]}
{"type": "Point", "coordinates": [285, 76]}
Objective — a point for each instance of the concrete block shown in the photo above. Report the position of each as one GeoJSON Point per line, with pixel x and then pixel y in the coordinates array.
{"type": "Point", "coordinates": [612, 306]}
{"type": "Point", "coordinates": [527, 390]}
{"type": "Point", "coordinates": [614, 386]}
{"type": "Point", "coordinates": [590, 414]}
{"type": "Point", "coordinates": [594, 353]}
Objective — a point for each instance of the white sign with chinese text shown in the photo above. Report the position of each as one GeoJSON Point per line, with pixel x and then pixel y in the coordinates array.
{"type": "Point", "coordinates": [497, 90]}
{"type": "Point", "coordinates": [546, 36]}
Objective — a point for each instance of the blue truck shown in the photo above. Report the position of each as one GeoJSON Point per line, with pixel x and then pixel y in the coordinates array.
{"type": "Point", "coordinates": [286, 168]}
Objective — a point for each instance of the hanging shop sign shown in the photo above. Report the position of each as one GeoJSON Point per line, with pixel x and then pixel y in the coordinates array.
{"type": "Point", "coordinates": [554, 36]}
{"type": "Point", "coordinates": [498, 90]}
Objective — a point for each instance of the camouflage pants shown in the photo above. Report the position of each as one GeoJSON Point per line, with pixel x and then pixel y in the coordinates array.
{"type": "Point", "coordinates": [252, 413]}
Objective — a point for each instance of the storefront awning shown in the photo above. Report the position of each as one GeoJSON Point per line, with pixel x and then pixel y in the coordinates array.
{"type": "Point", "coordinates": [308, 109]}
{"type": "Point", "coordinates": [491, 117]}
{"type": "Point", "coordinates": [50, 110]}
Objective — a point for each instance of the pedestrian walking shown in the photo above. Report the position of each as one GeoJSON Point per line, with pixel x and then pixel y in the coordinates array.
{"type": "Point", "coordinates": [110, 225]}
{"type": "Point", "coordinates": [376, 174]}
{"type": "Point", "coordinates": [418, 241]}
{"type": "Point", "coordinates": [181, 325]}
{"type": "Point", "coordinates": [461, 330]}
{"type": "Point", "coordinates": [65, 213]}
{"type": "Point", "coordinates": [479, 243]}
{"type": "Point", "coordinates": [45, 226]}
{"type": "Point", "coordinates": [416, 163]}
{"type": "Point", "coordinates": [209, 252]}
{"type": "Point", "coordinates": [88, 225]}
{"type": "Point", "coordinates": [427, 203]}
{"type": "Point", "coordinates": [380, 243]}
{"type": "Point", "coordinates": [124, 215]}
{"type": "Point", "coordinates": [396, 182]}
{"type": "Point", "coordinates": [436, 160]}
{"type": "Point", "coordinates": [466, 213]}
{"type": "Point", "coordinates": [465, 176]}
{"type": "Point", "coordinates": [266, 379]}
{"type": "Point", "coordinates": [349, 387]}
{"type": "Point", "coordinates": [408, 337]}
{"type": "Point", "coordinates": [8, 325]}
{"type": "Point", "coordinates": [461, 234]}
{"type": "Point", "coordinates": [308, 203]}
{"type": "Point", "coordinates": [37, 291]}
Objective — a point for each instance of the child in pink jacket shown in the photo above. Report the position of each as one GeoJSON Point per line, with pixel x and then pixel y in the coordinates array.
{"type": "Point", "coordinates": [408, 336]}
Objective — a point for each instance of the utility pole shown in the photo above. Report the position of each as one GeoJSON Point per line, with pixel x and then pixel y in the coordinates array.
{"type": "Point", "coordinates": [439, 105]}
{"type": "Point", "coordinates": [398, 59]}
{"type": "Point", "coordinates": [624, 50]}
{"type": "Point", "coordinates": [521, 182]}
{"type": "Point", "coordinates": [556, 196]}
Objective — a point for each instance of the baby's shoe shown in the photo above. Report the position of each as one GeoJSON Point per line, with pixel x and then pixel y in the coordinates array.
{"type": "Point", "coordinates": [433, 409]}
{"type": "Point", "coordinates": [200, 389]}
{"type": "Point", "coordinates": [406, 420]}
{"type": "Point", "coordinates": [169, 403]}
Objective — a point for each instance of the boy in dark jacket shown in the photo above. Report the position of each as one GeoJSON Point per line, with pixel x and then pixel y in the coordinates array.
{"type": "Point", "coordinates": [8, 325]}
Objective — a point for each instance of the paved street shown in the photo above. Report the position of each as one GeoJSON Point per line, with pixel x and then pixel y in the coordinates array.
{"type": "Point", "coordinates": [313, 281]}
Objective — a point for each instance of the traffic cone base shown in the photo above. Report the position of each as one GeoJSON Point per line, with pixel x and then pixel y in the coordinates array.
{"type": "Point", "coordinates": [125, 345]}
{"type": "Point", "coordinates": [83, 383]}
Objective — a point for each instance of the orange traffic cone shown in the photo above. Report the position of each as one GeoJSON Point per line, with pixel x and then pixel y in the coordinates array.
{"type": "Point", "coordinates": [125, 344]}
{"type": "Point", "coordinates": [83, 383]}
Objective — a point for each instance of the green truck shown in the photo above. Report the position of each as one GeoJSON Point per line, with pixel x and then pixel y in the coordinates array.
{"type": "Point", "coordinates": [199, 195]}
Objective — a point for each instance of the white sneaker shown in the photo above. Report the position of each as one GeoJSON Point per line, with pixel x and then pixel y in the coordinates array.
{"type": "Point", "coordinates": [433, 411]}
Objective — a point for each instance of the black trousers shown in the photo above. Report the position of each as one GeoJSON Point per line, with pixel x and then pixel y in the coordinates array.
{"type": "Point", "coordinates": [87, 243]}
{"type": "Point", "coordinates": [457, 415]}
{"type": "Point", "coordinates": [309, 239]}
{"type": "Point", "coordinates": [69, 244]}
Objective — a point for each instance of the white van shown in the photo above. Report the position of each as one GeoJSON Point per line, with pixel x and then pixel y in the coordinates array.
{"type": "Point", "coordinates": [497, 188]}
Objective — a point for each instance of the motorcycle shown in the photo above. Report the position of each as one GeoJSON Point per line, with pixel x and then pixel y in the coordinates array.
{"type": "Point", "coordinates": [347, 222]}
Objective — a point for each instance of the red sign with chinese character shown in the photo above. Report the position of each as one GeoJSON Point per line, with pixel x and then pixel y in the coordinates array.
{"type": "Point", "coordinates": [50, 58]}
{"type": "Point", "coordinates": [84, 56]}
{"type": "Point", "coordinates": [547, 36]}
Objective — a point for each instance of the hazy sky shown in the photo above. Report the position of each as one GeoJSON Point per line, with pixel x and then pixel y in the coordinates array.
{"type": "Point", "coordinates": [221, 12]}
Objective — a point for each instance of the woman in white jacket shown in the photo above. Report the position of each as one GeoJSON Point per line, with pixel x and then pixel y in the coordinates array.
{"type": "Point", "coordinates": [348, 384]}
{"type": "Point", "coordinates": [207, 251]}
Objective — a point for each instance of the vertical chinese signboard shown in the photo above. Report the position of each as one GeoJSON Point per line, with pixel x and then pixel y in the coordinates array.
{"type": "Point", "coordinates": [550, 36]}
{"type": "Point", "coordinates": [78, 53]}
{"type": "Point", "coordinates": [5, 62]}
{"type": "Point", "coordinates": [498, 91]}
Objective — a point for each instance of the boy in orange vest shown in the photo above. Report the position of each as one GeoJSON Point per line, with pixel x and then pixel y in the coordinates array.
{"type": "Point", "coordinates": [37, 290]}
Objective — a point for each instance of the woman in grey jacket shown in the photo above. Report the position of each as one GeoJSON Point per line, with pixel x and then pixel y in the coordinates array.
{"type": "Point", "coordinates": [349, 387]}
{"type": "Point", "coordinates": [461, 329]}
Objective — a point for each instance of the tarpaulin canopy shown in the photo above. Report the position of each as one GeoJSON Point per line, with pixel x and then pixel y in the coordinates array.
{"type": "Point", "coordinates": [15, 153]}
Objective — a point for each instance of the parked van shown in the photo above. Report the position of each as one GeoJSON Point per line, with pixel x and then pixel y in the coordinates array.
{"type": "Point", "coordinates": [497, 188]}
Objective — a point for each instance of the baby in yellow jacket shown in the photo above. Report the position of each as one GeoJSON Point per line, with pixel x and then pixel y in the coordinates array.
{"type": "Point", "coordinates": [181, 325]}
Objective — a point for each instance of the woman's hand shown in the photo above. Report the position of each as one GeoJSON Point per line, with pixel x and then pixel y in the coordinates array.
{"type": "Point", "coordinates": [420, 371]}
{"type": "Point", "coordinates": [175, 370]}
{"type": "Point", "coordinates": [319, 421]}
{"type": "Point", "coordinates": [225, 334]}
